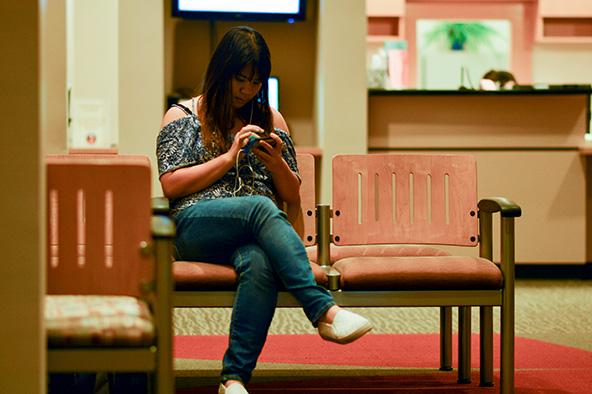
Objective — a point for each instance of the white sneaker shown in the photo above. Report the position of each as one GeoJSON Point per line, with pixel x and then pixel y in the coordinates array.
{"type": "Point", "coordinates": [347, 327]}
{"type": "Point", "coordinates": [236, 388]}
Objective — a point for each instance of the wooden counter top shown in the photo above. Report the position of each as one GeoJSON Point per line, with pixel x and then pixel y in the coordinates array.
{"type": "Point", "coordinates": [560, 90]}
{"type": "Point", "coordinates": [585, 149]}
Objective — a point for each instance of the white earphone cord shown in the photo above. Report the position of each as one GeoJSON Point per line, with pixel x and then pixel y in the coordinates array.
{"type": "Point", "coordinates": [238, 183]}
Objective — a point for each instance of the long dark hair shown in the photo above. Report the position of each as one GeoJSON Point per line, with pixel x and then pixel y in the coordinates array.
{"type": "Point", "coordinates": [240, 46]}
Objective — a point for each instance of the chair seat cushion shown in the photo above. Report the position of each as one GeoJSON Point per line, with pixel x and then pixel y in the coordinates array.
{"type": "Point", "coordinates": [195, 276]}
{"type": "Point", "coordinates": [342, 252]}
{"type": "Point", "coordinates": [89, 320]}
{"type": "Point", "coordinates": [418, 273]}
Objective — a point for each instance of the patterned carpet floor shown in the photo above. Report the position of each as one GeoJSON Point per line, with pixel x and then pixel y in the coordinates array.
{"type": "Point", "coordinates": [554, 312]}
{"type": "Point", "coordinates": [557, 311]}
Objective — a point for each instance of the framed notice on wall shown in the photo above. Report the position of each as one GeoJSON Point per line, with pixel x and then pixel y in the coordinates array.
{"type": "Point", "coordinates": [90, 126]}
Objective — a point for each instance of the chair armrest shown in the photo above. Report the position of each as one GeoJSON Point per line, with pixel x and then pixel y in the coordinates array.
{"type": "Point", "coordinates": [163, 233]}
{"type": "Point", "coordinates": [160, 206]}
{"type": "Point", "coordinates": [163, 227]}
{"type": "Point", "coordinates": [505, 207]}
{"type": "Point", "coordinates": [508, 211]}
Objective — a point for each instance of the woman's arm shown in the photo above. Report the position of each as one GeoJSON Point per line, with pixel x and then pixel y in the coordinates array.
{"type": "Point", "coordinates": [296, 218]}
{"type": "Point", "coordinates": [294, 208]}
{"type": "Point", "coordinates": [187, 180]}
{"type": "Point", "coordinates": [285, 180]}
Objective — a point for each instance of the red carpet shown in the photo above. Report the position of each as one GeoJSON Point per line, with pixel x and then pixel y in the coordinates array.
{"type": "Point", "coordinates": [541, 367]}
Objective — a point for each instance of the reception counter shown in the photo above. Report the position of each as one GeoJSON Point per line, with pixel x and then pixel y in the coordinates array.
{"type": "Point", "coordinates": [528, 145]}
{"type": "Point", "coordinates": [483, 119]}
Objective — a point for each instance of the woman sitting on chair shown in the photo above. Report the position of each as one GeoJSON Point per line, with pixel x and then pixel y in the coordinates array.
{"type": "Point", "coordinates": [224, 182]}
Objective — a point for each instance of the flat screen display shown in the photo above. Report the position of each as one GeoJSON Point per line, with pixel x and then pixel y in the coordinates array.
{"type": "Point", "coordinates": [274, 92]}
{"type": "Point", "coordinates": [251, 10]}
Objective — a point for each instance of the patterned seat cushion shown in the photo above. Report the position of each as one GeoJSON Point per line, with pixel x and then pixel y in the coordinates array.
{"type": "Point", "coordinates": [88, 320]}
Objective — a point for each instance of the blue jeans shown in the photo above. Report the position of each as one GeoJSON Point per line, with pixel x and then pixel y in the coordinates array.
{"type": "Point", "coordinates": [253, 235]}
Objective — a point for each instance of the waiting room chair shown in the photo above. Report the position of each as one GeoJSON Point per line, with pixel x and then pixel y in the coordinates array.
{"type": "Point", "coordinates": [404, 200]}
{"type": "Point", "coordinates": [108, 304]}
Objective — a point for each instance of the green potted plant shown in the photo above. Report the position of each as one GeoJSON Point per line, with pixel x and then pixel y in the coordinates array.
{"type": "Point", "coordinates": [458, 36]}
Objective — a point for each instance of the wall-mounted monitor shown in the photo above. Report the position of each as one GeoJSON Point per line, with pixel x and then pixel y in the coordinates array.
{"type": "Point", "coordinates": [273, 86]}
{"type": "Point", "coordinates": [248, 10]}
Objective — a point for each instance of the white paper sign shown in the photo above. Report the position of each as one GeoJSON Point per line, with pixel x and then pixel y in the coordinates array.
{"type": "Point", "coordinates": [90, 124]}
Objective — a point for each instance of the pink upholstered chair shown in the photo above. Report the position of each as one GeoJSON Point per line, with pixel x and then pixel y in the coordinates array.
{"type": "Point", "coordinates": [108, 269]}
{"type": "Point", "coordinates": [422, 199]}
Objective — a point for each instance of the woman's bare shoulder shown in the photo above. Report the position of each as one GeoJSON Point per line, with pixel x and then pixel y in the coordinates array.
{"type": "Point", "coordinates": [175, 113]}
{"type": "Point", "coordinates": [278, 121]}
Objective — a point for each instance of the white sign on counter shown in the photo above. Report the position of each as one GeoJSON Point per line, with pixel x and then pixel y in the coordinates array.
{"type": "Point", "coordinates": [90, 124]}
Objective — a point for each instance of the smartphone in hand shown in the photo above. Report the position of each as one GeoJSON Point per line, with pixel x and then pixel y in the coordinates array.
{"type": "Point", "coordinates": [269, 140]}
{"type": "Point", "coordinates": [253, 142]}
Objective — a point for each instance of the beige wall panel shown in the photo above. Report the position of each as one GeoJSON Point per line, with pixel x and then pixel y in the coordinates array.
{"type": "Point", "coordinates": [141, 79]}
{"type": "Point", "coordinates": [575, 60]}
{"type": "Point", "coordinates": [190, 50]}
{"type": "Point", "coordinates": [469, 121]}
{"type": "Point", "coordinates": [565, 8]}
{"type": "Point", "coordinates": [95, 71]}
{"type": "Point", "coordinates": [550, 187]}
{"type": "Point", "coordinates": [340, 93]}
{"type": "Point", "coordinates": [22, 358]}
{"type": "Point", "coordinates": [385, 7]}
{"type": "Point", "coordinates": [53, 83]}
{"type": "Point", "coordinates": [169, 46]}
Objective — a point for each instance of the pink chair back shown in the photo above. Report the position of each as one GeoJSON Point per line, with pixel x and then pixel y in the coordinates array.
{"type": "Point", "coordinates": [421, 199]}
{"type": "Point", "coordinates": [306, 167]}
{"type": "Point", "coordinates": [98, 214]}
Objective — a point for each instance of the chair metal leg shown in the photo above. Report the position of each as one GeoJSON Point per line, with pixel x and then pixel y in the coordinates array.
{"type": "Point", "coordinates": [464, 344]}
{"type": "Point", "coordinates": [445, 338]}
{"type": "Point", "coordinates": [507, 311]}
{"type": "Point", "coordinates": [165, 381]}
{"type": "Point", "coordinates": [486, 345]}
{"type": "Point", "coordinates": [507, 350]}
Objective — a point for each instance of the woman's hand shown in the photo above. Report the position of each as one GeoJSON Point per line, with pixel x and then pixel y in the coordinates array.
{"type": "Point", "coordinates": [242, 137]}
{"type": "Point", "coordinates": [270, 156]}
{"type": "Point", "coordinates": [286, 182]}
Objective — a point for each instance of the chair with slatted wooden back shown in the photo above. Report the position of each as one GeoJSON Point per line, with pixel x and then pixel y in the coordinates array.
{"type": "Point", "coordinates": [424, 199]}
{"type": "Point", "coordinates": [108, 303]}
